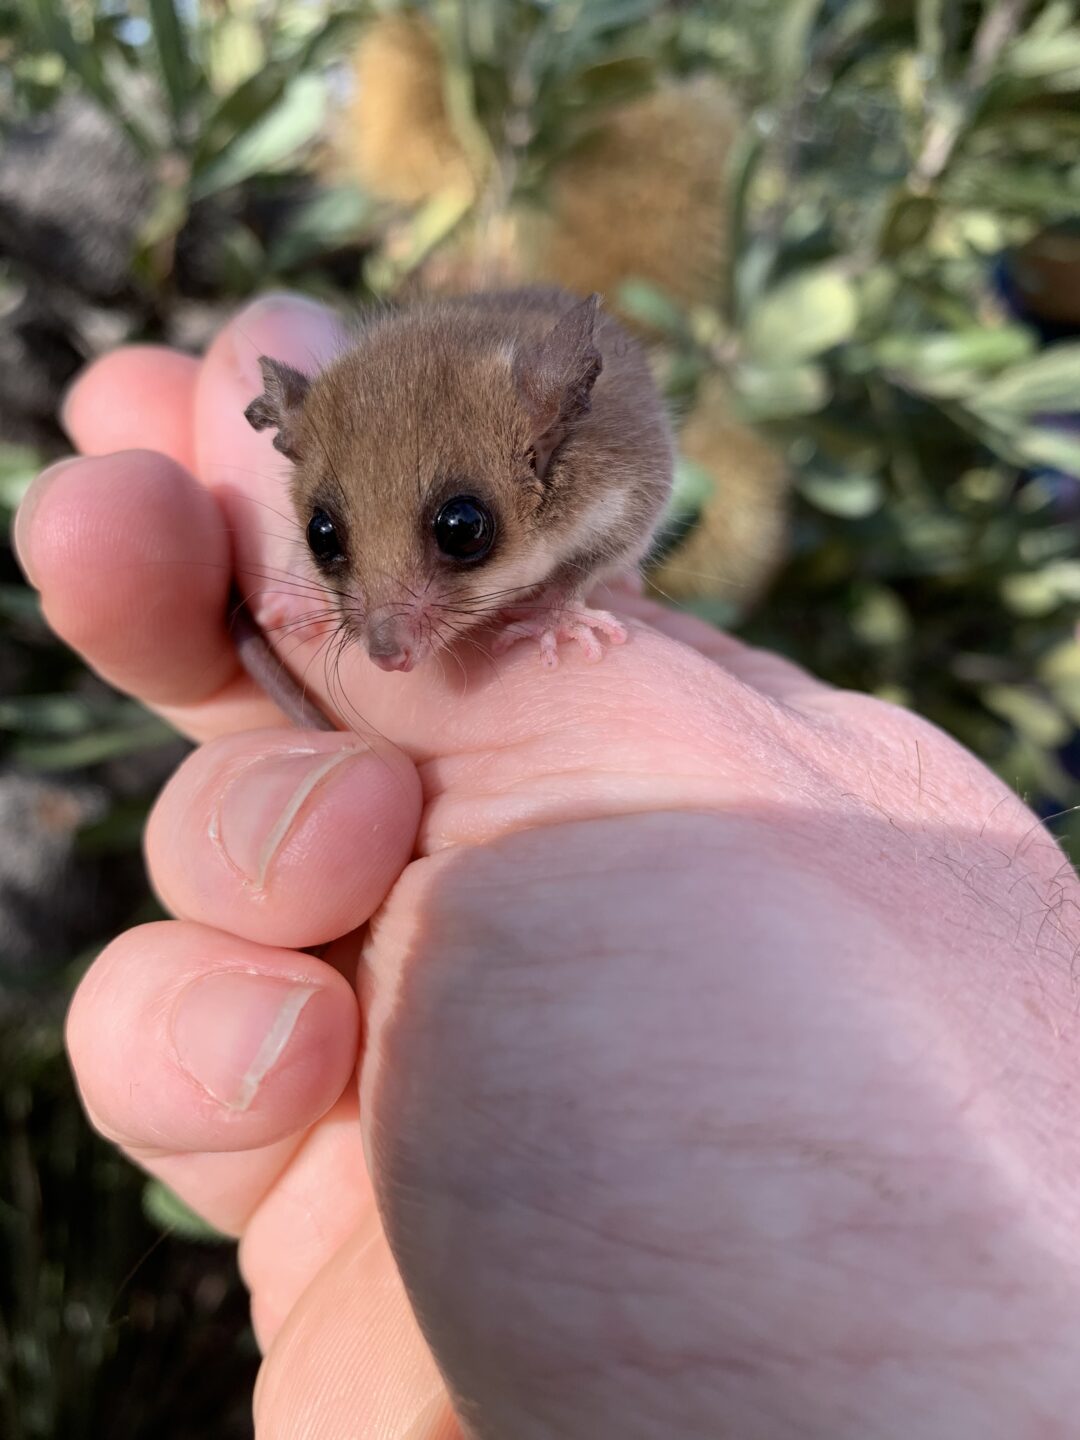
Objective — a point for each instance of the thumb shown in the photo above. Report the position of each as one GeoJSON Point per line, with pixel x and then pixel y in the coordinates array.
{"type": "Point", "coordinates": [526, 1161]}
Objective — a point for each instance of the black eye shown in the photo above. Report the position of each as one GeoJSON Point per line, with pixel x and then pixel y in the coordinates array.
{"type": "Point", "coordinates": [464, 528]}
{"type": "Point", "coordinates": [322, 537]}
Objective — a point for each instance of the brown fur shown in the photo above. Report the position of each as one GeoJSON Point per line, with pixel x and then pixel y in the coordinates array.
{"type": "Point", "coordinates": [484, 395]}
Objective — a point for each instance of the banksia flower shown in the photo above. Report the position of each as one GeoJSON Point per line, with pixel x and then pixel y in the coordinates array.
{"type": "Point", "coordinates": [644, 197]}
{"type": "Point", "coordinates": [396, 137]}
{"type": "Point", "coordinates": [738, 541]}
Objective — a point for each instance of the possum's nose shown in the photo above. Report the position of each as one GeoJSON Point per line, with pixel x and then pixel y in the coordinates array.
{"type": "Point", "coordinates": [397, 660]}
{"type": "Point", "coordinates": [389, 649]}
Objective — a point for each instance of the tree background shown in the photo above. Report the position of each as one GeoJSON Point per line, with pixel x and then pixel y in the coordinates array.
{"type": "Point", "coordinates": [848, 232]}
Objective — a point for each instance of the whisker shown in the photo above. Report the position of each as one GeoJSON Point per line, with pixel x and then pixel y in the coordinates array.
{"type": "Point", "coordinates": [277, 586]}
{"type": "Point", "coordinates": [302, 622]}
{"type": "Point", "coordinates": [446, 649]}
{"type": "Point", "coordinates": [715, 575]}
{"type": "Point", "coordinates": [327, 641]}
{"type": "Point", "coordinates": [462, 637]}
{"type": "Point", "coordinates": [343, 702]}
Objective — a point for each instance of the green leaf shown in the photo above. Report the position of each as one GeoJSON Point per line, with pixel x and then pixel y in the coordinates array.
{"type": "Point", "coordinates": [1039, 546]}
{"type": "Point", "coordinates": [240, 111]}
{"type": "Point", "coordinates": [880, 618]}
{"type": "Point", "coordinates": [1044, 57]}
{"type": "Point", "coordinates": [92, 748]}
{"type": "Point", "coordinates": [1029, 594]}
{"type": "Point", "coordinates": [46, 715]}
{"type": "Point", "coordinates": [1064, 575]}
{"type": "Point", "coordinates": [791, 45]}
{"type": "Point", "coordinates": [459, 84]}
{"type": "Point", "coordinates": [802, 317]}
{"type": "Point", "coordinates": [937, 541]}
{"type": "Point", "coordinates": [907, 223]}
{"type": "Point", "coordinates": [1055, 448]}
{"type": "Point", "coordinates": [1050, 382]}
{"type": "Point", "coordinates": [241, 258]}
{"type": "Point", "coordinates": [333, 218]}
{"type": "Point", "coordinates": [693, 488]}
{"type": "Point", "coordinates": [235, 52]}
{"type": "Point", "coordinates": [776, 392]}
{"type": "Point", "coordinates": [1060, 671]}
{"type": "Point", "coordinates": [293, 123]}
{"type": "Point", "coordinates": [433, 223]}
{"type": "Point", "coordinates": [650, 306]}
{"type": "Point", "coordinates": [163, 222]}
{"type": "Point", "coordinates": [879, 287]}
{"type": "Point", "coordinates": [1067, 695]}
{"type": "Point", "coordinates": [19, 604]}
{"type": "Point", "coordinates": [611, 82]}
{"type": "Point", "coordinates": [169, 1213]}
{"type": "Point", "coordinates": [1033, 715]}
{"type": "Point", "coordinates": [952, 367]}
{"type": "Point", "coordinates": [962, 350]}
{"type": "Point", "coordinates": [1029, 189]}
{"type": "Point", "coordinates": [1062, 663]}
{"type": "Point", "coordinates": [930, 29]}
{"type": "Point", "coordinates": [744, 161]}
{"type": "Point", "coordinates": [18, 466]}
{"type": "Point", "coordinates": [852, 497]}
{"type": "Point", "coordinates": [170, 41]}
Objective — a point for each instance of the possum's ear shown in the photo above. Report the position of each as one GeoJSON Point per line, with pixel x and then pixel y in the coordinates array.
{"type": "Point", "coordinates": [280, 405]}
{"type": "Point", "coordinates": [555, 379]}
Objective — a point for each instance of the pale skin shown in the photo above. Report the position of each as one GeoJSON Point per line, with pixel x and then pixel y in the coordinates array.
{"type": "Point", "coordinates": [716, 1031]}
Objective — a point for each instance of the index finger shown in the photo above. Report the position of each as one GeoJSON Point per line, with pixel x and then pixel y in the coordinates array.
{"type": "Point", "coordinates": [131, 554]}
{"type": "Point", "coordinates": [140, 397]}
{"type": "Point", "coordinates": [248, 476]}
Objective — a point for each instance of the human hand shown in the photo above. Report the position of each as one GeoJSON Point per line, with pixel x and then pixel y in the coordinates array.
{"type": "Point", "coordinates": [716, 1025]}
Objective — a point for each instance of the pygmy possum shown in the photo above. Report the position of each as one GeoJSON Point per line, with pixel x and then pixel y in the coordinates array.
{"type": "Point", "coordinates": [478, 462]}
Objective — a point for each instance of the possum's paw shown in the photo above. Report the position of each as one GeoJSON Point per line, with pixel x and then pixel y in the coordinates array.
{"type": "Point", "coordinates": [552, 627]}
{"type": "Point", "coordinates": [291, 617]}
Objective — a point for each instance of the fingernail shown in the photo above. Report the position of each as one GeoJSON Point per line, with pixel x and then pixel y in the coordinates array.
{"type": "Point", "coordinates": [232, 1028]}
{"type": "Point", "coordinates": [259, 807]}
{"type": "Point", "coordinates": [20, 530]}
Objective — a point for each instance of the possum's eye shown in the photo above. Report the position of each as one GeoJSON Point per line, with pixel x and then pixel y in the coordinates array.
{"type": "Point", "coordinates": [323, 538]}
{"type": "Point", "coordinates": [464, 528]}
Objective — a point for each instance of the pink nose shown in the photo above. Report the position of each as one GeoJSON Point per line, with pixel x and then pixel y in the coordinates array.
{"type": "Point", "coordinates": [397, 660]}
{"type": "Point", "coordinates": [391, 644]}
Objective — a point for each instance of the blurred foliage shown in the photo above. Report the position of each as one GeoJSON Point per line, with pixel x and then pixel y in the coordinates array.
{"type": "Point", "coordinates": [212, 98]}
{"type": "Point", "coordinates": [873, 322]}
{"type": "Point", "coordinates": [107, 1327]}
{"type": "Point", "coordinates": [897, 157]}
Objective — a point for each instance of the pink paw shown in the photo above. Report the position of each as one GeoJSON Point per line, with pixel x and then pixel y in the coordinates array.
{"type": "Point", "coordinates": [271, 611]}
{"type": "Point", "coordinates": [552, 626]}
{"type": "Point", "coordinates": [285, 617]}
